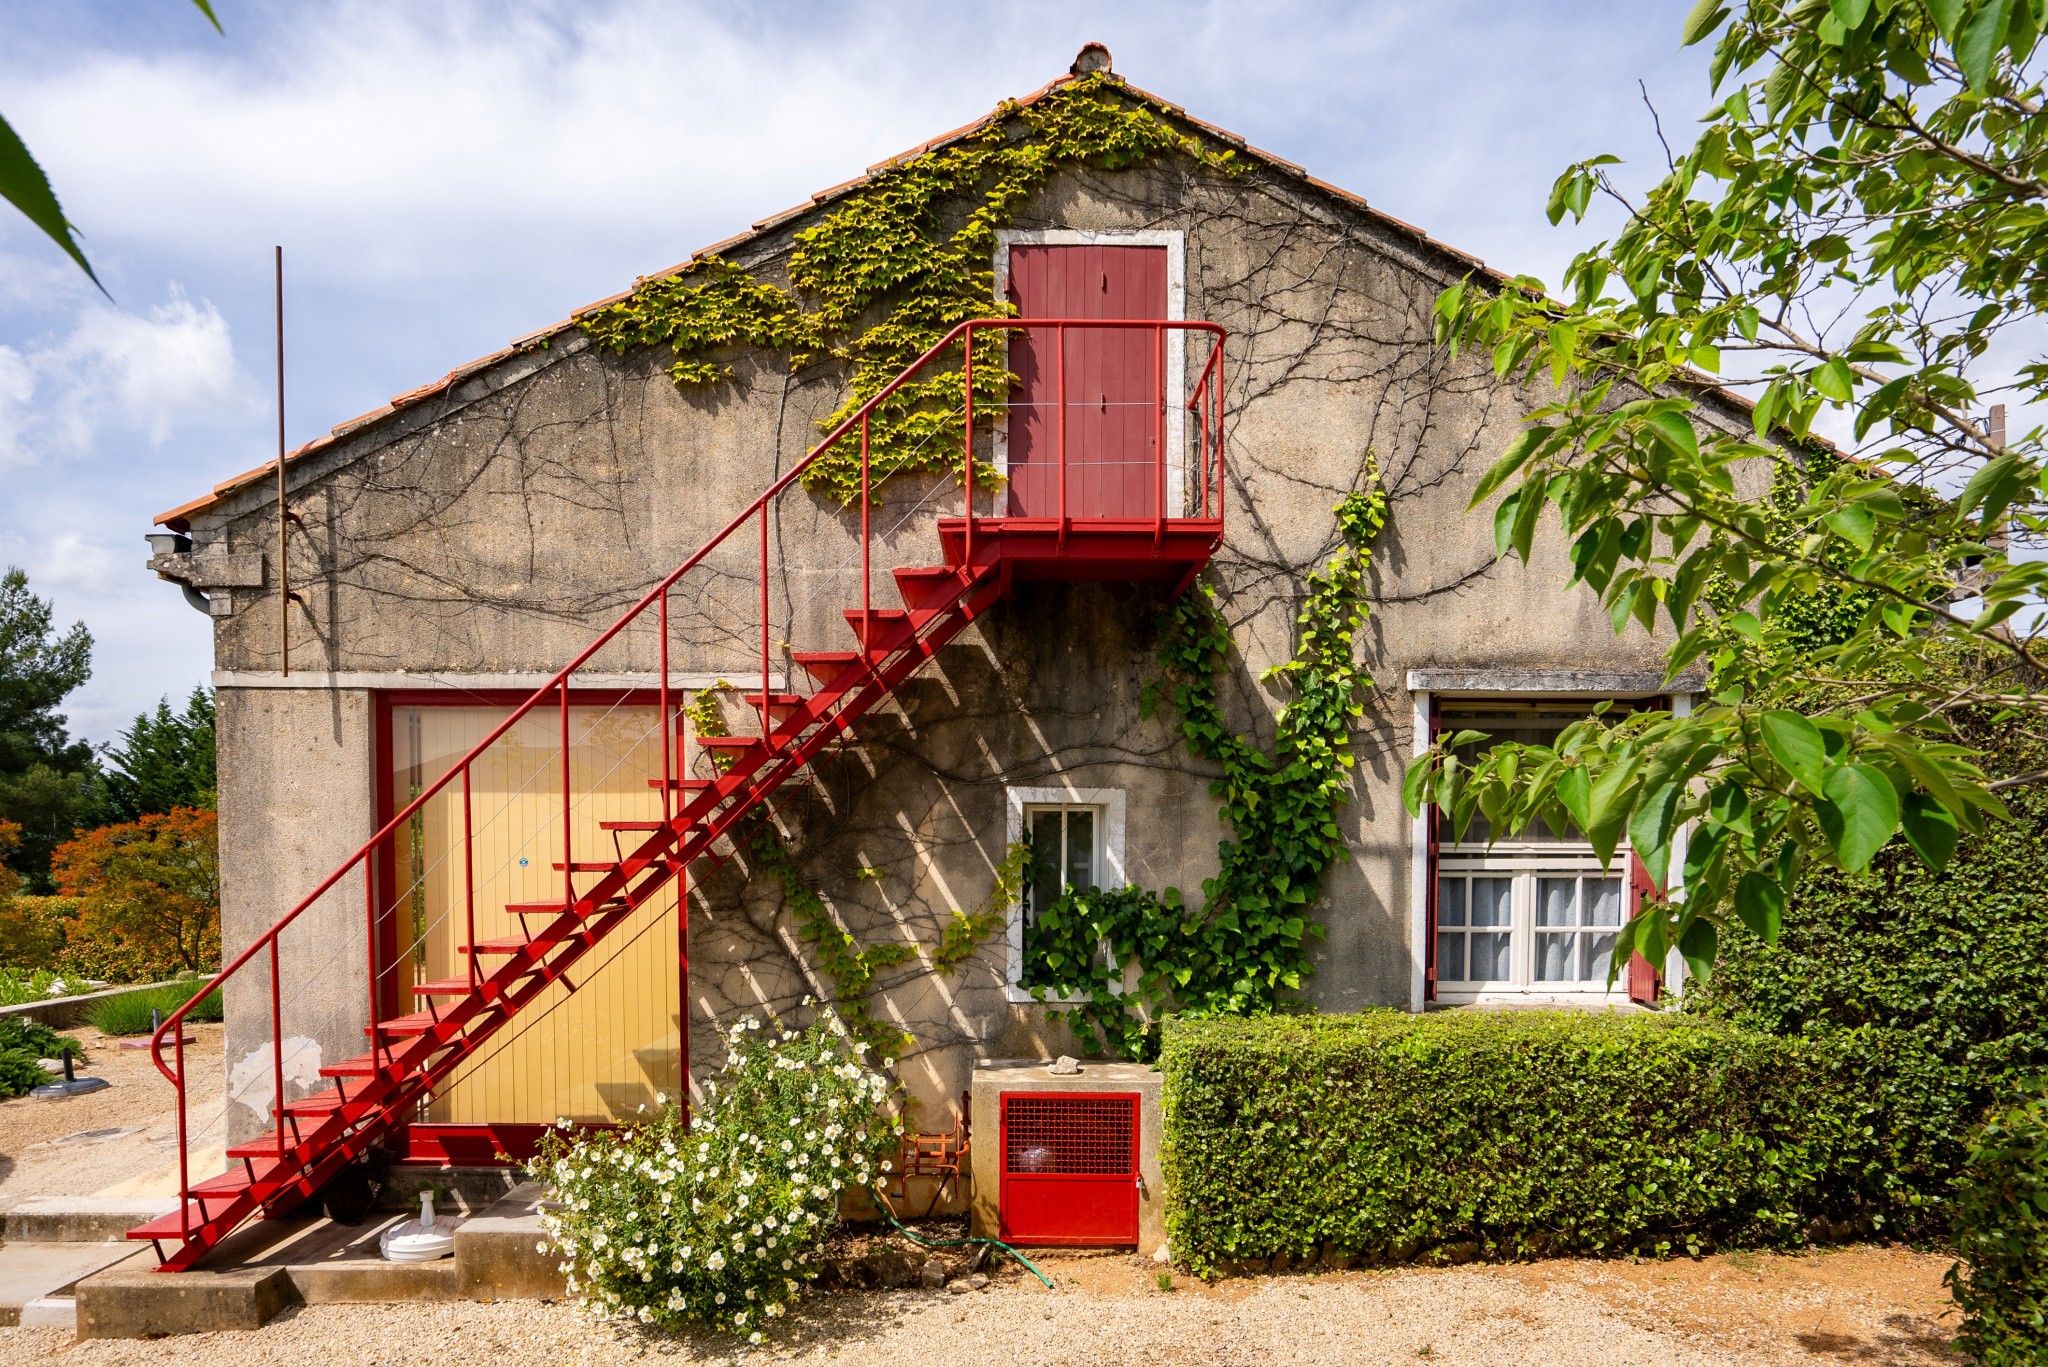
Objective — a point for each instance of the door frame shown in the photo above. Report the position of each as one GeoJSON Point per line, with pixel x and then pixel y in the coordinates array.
{"type": "Point", "coordinates": [1176, 243]}
{"type": "Point", "coordinates": [448, 1142]}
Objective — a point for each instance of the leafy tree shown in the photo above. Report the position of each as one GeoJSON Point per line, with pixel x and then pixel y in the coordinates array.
{"type": "Point", "coordinates": [43, 772]}
{"type": "Point", "coordinates": [1855, 241]}
{"type": "Point", "coordinates": [23, 184]}
{"type": "Point", "coordinates": [164, 760]}
{"type": "Point", "coordinates": [148, 891]}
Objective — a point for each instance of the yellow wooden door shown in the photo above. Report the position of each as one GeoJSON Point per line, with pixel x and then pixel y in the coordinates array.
{"type": "Point", "coordinates": [596, 1052]}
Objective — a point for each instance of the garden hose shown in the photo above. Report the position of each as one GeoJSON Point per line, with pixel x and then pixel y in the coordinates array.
{"type": "Point", "coordinates": [890, 1216]}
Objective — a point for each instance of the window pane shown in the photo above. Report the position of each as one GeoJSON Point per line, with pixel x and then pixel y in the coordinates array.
{"type": "Point", "coordinates": [1490, 957]}
{"type": "Point", "coordinates": [1603, 902]}
{"type": "Point", "coordinates": [1450, 956]}
{"type": "Point", "coordinates": [1450, 902]}
{"type": "Point", "coordinates": [1081, 848]}
{"type": "Point", "coordinates": [1555, 955]}
{"type": "Point", "coordinates": [1597, 952]}
{"type": "Point", "coordinates": [1491, 901]}
{"type": "Point", "coordinates": [1554, 897]}
{"type": "Point", "coordinates": [1045, 859]}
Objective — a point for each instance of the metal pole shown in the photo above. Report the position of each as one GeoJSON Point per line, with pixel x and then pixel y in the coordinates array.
{"type": "Point", "coordinates": [568, 855]}
{"type": "Point", "coordinates": [764, 616]}
{"type": "Point", "coordinates": [1060, 385]}
{"type": "Point", "coordinates": [284, 572]}
{"type": "Point", "coordinates": [1159, 434]}
{"type": "Point", "coordinates": [668, 735]}
{"type": "Point", "coordinates": [469, 876]}
{"type": "Point", "coordinates": [866, 607]}
{"type": "Point", "coordinates": [967, 439]}
{"type": "Point", "coordinates": [276, 1046]}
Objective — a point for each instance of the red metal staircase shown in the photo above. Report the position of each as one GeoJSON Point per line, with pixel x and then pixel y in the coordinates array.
{"type": "Point", "coordinates": [983, 555]}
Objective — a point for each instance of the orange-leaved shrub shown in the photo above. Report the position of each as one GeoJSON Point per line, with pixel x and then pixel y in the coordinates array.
{"type": "Point", "coordinates": [148, 893]}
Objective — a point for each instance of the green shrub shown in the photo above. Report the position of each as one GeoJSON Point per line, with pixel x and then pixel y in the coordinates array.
{"type": "Point", "coordinates": [18, 987]}
{"type": "Point", "coordinates": [722, 1222]}
{"type": "Point", "coordinates": [24, 1044]}
{"type": "Point", "coordinates": [2001, 1229]}
{"type": "Point", "coordinates": [128, 1014]}
{"type": "Point", "coordinates": [1507, 1134]}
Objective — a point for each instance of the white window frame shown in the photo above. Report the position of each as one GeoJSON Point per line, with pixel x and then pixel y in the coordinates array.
{"type": "Point", "coordinates": [1109, 843]}
{"type": "Point", "coordinates": [1520, 858]}
{"type": "Point", "coordinates": [1176, 243]}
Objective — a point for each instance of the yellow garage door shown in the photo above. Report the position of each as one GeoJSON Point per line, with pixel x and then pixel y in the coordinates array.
{"type": "Point", "coordinates": [603, 1050]}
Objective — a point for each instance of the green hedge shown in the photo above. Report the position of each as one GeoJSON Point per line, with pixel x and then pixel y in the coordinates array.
{"type": "Point", "coordinates": [1388, 1136]}
{"type": "Point", "coordinates": [1939, 979]}
{"type": "Point", "coordinates": [2001, 1227]}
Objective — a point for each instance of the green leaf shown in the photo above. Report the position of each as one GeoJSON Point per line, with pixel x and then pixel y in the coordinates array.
{"type": "Point", "coordinates": [1796, 744]}
{"type": "Point", "coordinates": [206, 8]}
{"type": "Point", "coordinates": [1978, 44]}
{"type": "Point", "coordinates": [1760, 903]}
{"type": "Point", "coordinates": [1850, 12]}
{"type": "Point", "coordinates": [1834, 381]}
{"type": "Point", "coordinates": [1698, 944]}
{"type": "Point", "coordinates": [1504, 523]}
{"type": "Point", "coordinates": [1675, 432]}
{"type": "Point", "coordinates": [1930, 829]}
{"type": "Point", "coordinates": [1575, 791]}
{"type": "Point", "coordinates": [1853, 524]}
{"type": "Point", "coordinates": [23, 184]}
{"type": "Point", "coordinates": [1649, 831]}
{"type": "Point", "coordinates": [1947, 14]}
{"type": "Point", "coordinates": [1859, 812]}
{"type": "Point", "coordinates": [1706, 16]}
{"type": "Point", "coordinates": [1514, 458]}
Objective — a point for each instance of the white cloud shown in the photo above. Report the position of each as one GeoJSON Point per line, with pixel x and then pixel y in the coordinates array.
{"type": "Point", "coordinates": [121, 372]}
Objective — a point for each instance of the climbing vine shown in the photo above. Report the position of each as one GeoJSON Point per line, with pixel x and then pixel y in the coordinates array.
{"type": "Point", "coordinates": [891, 248]}
{"type": "Point", "coordinates": [1131, 954]}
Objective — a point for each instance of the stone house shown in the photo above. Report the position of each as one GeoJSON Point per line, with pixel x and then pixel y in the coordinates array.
{"type": "Point", "coordinates": [451, 552]}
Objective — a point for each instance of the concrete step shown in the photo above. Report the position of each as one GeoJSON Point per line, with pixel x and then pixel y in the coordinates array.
{"type": "Point", "coordinates": [36, 1279]}
{"type": "Point", "coordinates": [80, 1219]}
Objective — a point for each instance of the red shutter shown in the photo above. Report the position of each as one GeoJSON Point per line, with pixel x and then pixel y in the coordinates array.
{"type": "Point", "coordinates": [1643, 978]}
{"type": "Point", "coordinates": [1429, 815]}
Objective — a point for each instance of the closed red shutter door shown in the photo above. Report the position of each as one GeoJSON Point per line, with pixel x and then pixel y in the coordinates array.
{"type": "Point", "coordinates": [1643, 978]}
{"type": "Point", "coordinates": [1113, 380]}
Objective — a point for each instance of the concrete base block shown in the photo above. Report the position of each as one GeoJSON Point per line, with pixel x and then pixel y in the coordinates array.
{"type": "Point", "coordinates": [50, 1312]}
{"type": "Point", "coordinates": [120, 1304]}
{"type": "Point", "coordinates": [356, 1283]}
{"type": "Point", "coordinates": [80, 1219]}
{"type": "Point", "coordinates": [498, 1257]}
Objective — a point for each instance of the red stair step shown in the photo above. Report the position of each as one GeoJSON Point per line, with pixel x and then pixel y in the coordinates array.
{"type": "Point", "coordinates": [511, 944]}
{"type": "Point", "coordinates": [922, 586]}
{"type": "Point", "coordinates": [876, 624]}
{"type": "Point", "coordinates": [165, 1226]}
{"type": "Point", "coordinates": [593, 865]}
{"type": "Point", "coordinates": [262, 1146]}
{"type": "Point", "coordinates": [362, 1065]}
{"type": "Point", "coordinates": [826, 666]}
{"type": "Point", "coordinates": [319, 1103]}
{"type": "Point", "coordinates": [458, 987]}
{"type": "Point", "coordinates": [686, 785]}
{"type": "Point", "coordinates": [728, 742]}
{"type": "Point", "coordinates": [418, 1023]}
{"type": "Point", "coordinates": [584, 907]}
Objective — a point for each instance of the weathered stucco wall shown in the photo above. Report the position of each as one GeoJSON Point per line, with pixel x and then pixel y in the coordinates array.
{"type": "Point", "coordinates": [295, 800]}
{"type": "Point", "coordinates": [496, 528]}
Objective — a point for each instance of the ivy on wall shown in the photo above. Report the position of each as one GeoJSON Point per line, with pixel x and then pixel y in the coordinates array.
{"type": "Point", "coordinates": [879, 280]}
{"type": "Point", "coordinates": [1131, 954]}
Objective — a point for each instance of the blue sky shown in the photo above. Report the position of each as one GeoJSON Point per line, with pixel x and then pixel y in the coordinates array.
{"type": "Point", "coordinates": [447, 176]}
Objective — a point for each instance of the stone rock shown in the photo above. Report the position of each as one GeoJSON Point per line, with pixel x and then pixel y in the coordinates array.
{"type": "Point", "coordinates": [961, 1287]}
{"type": "Point", "coordinates": [1067, 1066]}
{"type": "Point", "coordinates": [1164, 1254]}
{"type": "Point", "coordinates": [888, 1268]}
{"type": "Point", "coordinates": [932, 1275]}
{"type": "Point", "coordinates": [977, 1282]}
{"type": "Point", "coordinates": [1464, 1251]}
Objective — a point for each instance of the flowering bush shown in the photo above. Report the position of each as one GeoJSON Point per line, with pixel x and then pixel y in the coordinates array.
{"type": "Point", "coordinates": [721, 1221]}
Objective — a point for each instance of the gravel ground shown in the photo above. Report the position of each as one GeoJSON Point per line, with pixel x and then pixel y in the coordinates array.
{"type": "Point", "coordinates": [1874, 1307]}
{"type": "Point", "coordinates": [33, 1163]}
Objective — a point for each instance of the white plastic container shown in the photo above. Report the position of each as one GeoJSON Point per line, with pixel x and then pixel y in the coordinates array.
{"type": "Point", "coordinates": [419, 1241]}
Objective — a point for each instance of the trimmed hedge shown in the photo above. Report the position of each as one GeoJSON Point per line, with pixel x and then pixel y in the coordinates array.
{"type": "Point", "coordinates": [1387, 1136]}
{"type": "Point", "coordinates": [2001, 1226]}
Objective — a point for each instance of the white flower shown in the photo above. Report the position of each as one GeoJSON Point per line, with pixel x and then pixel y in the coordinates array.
{"type": "Point", "coordinates": [719, 1298]}
{"type": "Point", "coordinates": [716, 1262]}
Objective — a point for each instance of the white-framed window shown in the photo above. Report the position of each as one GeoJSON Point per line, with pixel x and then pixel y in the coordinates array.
{"type": "Point", "coordinates": [1528, 917]}
{"type": "Point", "coordinates": [1077, 840]}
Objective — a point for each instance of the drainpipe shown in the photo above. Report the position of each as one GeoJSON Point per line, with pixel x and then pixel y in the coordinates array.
{"type": "Point", "coordinates": [197, 599]}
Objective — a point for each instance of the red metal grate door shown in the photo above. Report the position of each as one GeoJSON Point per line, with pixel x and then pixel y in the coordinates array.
{"type": "Point", "coordinates": [1070, 1168]}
